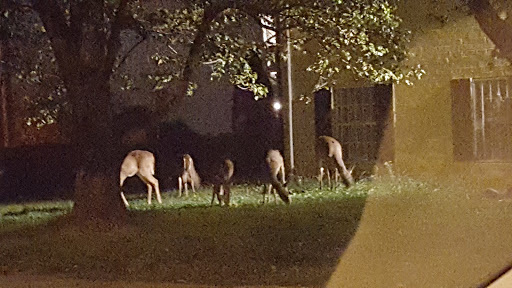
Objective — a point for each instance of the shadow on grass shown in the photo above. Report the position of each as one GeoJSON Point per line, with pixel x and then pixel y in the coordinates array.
{"type": "Point", "coordinates": [294, 245]}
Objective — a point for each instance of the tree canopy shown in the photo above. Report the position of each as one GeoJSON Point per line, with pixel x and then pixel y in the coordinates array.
{"type": "Point", "coordinates": [363, 37]}
{"type": "Point", "coordinates": [493, 16]}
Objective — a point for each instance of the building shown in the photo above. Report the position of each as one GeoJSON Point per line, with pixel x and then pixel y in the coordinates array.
{"type": "Point", "coordinates": [454, 123]}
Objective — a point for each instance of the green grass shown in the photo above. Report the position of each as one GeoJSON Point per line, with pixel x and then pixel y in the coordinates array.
{"type": "Point", "coordinates": [185, 240]}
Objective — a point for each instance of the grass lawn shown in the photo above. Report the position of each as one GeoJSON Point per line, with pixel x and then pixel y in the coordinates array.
{"type": "Point", "coordinates": [184, 240]}
{"type": "Point", "coordinates": [412, 234]}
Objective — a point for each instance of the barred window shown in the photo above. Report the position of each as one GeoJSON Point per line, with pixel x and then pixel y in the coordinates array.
{"type": "Point", "coordinates": [358, 120]}
{"type": "Point", "coordinates": [482, 119]}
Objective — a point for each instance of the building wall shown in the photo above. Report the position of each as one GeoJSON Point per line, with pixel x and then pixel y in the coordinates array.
{"type": "Point", "coordinates": [422, 116]}
{"type": "Point", "coordinates": [423, 135]}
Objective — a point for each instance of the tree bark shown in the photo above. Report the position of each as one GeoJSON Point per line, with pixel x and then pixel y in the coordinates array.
{"type": "Point", "coordinates": [5, 92]}
{"type": "Point", "coordinates": [85, 53]}
{"type": "Point", "coordinates": [98, 159]}
{"type": "Point", "coordinates": [497, 29]}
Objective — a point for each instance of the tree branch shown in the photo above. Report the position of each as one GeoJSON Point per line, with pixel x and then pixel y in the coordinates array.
{"type": "Point", "coordinates": [52, 16]}
{"type": "Point", "coordinates": [12, 5]}
{"type": "Point", "coordinates": [498, 30]}
{"type": "Point", "coordinates": [123, 59]}
{"type": "Point", "coordinates": [210, 13]}
{"type": "Point", "coordinates": [76, 20]}
{"type": "Point", "coordinates": [121, 21]}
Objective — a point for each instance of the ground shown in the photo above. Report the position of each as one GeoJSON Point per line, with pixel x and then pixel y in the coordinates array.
{"type": "Point", "coordinates": [444, 238]}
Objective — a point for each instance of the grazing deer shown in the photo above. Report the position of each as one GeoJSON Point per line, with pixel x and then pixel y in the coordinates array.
{"type": "Point", "coordinates": [142, 164]}
{"type": "Point", "coordinates": [189, 175]}
{"type": "Point", "coordinates": [222, 185]}
{"type": "Point", "coordinates": [275, 163]}
{"type": "Point", "coordinates": [329, 157]}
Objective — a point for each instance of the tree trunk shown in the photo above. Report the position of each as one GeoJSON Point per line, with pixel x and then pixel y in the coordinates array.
{"type": "Point", "coordinates": [97, 182]}
{"type": "Point", "coordinates": [5, 93]}
{"type": "Point", "coordinates": [497, 29]}
{"type": "Point", "coordinates": [85, 53]}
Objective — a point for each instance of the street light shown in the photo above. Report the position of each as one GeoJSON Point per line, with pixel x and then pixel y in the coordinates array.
{"type": "Point", "coordinates": [277, 106]}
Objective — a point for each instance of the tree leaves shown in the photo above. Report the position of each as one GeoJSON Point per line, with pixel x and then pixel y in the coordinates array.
{"type": "Point", "coordinates": [362, 37]}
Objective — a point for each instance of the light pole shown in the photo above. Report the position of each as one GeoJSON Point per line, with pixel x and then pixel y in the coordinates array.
{"type": "Point", "coordinates": [290, 100]}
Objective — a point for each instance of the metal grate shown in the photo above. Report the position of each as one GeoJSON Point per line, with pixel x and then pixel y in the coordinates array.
{"type": "Point", "coordinates": [491, 112]}
{"type": "Point", "coordinates": [355, 124]}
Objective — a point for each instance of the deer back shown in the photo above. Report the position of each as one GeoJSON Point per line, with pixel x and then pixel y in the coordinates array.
{"type": "Point", "coordinates": [274, 161]}
{"type": "Point", "coordinates": [227, 170]}
{"type": "Point", "coordinates": [190, 170]}
{"type": "Point", "coordinates": [329, 153]}
{"type": "Point", "coordinates": [138, 161]}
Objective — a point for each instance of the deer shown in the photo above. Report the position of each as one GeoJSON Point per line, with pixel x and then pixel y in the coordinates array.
{"type": "Point", "coordinates": [275, 165]}
{"type": "Point", "coordinates": [222, 183]}
{"type": "Point", "coordinates": [142, 164]}
{"type": "Point", "coordinates": [189, 175]}
{"type": "Point", "coordinates": [330, 160]}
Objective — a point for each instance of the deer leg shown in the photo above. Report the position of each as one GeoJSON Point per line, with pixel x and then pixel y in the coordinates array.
{"type": "Point", "coordinates": [336, 177]}
{"type": "Point", "coordinates": [329, 178]}
{"type": "Point", "coordinates": [227, 193]}
{"type": "Point", "coordinates": [180, 186]}
{"type": "Point", "coordinates": [155, 184]}
{"type": "Point", "coordinates": [213, 194]}
{"type": "Point", "coordinates": [124, 200]}
{"type": "Point", "coordinates": [186, 188]}
{"type": "Point", "coordinates": [157, 191]}
{"type": "Point", "coordinates": [150, 190]}
{"type": "Point", "coordinates": [121, 181]}
{"type": "Point", "coordinates": [321, 177]}
{"type": "Point", "coordinates": [265, 193]}
{"type": "Point", "coordinates": [151, 182]}
{"type": "Point", "coordinates": [193, 186]}
{"type": "Point", "coordinates": [220, 196]}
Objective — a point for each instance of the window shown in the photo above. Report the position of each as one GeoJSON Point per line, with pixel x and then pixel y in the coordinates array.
{"type": "Point", "coordinates": [482, 119]}
{"type": "Point", "coordinates": [358, 120]}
